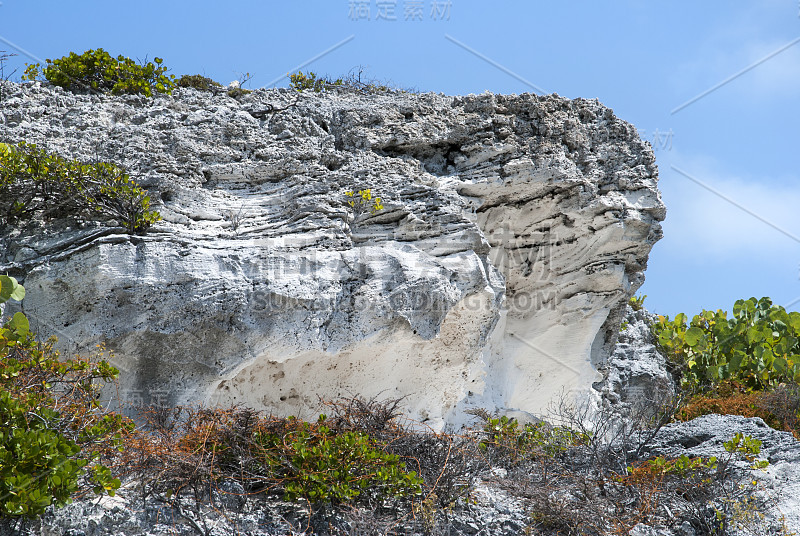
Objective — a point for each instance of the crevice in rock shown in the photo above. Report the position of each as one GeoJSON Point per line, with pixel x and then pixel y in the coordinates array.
{"type": "Point", "coordinates": [435, 158]}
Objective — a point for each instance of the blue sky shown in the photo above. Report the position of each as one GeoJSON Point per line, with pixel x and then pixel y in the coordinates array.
{"type": "Point", "coordinates": [643, 59]}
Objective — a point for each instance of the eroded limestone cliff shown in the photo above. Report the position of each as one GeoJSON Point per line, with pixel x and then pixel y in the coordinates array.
{"type": "Point", "coordinates": [514, 231]}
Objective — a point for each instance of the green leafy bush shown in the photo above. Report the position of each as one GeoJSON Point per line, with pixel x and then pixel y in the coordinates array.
{"type": "Point", "coordinates": [10, 289]}
{"type": "Point", "coordinates": [98, 70]}
{"type": "Point", "coordinates": [318, 464]}
{"type": "Point", "coordinates": [747, 447]}
{"type": "Point", "coordinates": [300, 81]}
{"type": "Point", "coordinates": [758, 346]}
{"type": "Point", "coordinates": [681, 466]}
{"type": "Point", "coordinates": [52, 425]}
{"type": "Point", "coordinates": [197, 81]}
{"type": "Point", "coordinates": [35, 183]}
{"type": "Point", "coordinates": [305, 460]}
{"type": "Point", "coordinates": [236, 92]}
{"type": "Point", "coordinates": [637, 302]}
{"type": "Point", "coordinates": [502, 433]}
{"type": "Point", "coordinates": [739, 445]}
{"type": "Point", "coordinates": [37, 465]}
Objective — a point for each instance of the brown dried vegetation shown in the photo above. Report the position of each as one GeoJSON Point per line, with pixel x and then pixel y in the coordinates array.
{"type": "Point", "coordinates": [779, 407]}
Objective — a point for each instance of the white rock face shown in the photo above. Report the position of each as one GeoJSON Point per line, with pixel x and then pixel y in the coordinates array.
{"type": "Point", "coordinates": [515, 228]}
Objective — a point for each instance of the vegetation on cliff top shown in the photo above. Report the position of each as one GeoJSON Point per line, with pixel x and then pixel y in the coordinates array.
{"type": "Point", "coordinates": [97, 70]}
{"type": "Point", "coordinates": [35, 183]}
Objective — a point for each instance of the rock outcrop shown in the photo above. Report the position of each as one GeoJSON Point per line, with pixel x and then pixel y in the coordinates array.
{"type": "Point", "coordinates": [514, 231]}
{"type": "Point", "coordinates": [636, 376]}
{"type": "Point", "coordinates": [778, 483]}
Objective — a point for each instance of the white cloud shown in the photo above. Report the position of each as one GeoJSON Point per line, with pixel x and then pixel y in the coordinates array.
{"type": "Point", "coordinates": [738, 39]}
{"type": "Point", "coordinates": [777, 76]}
{"type": "Point", "coordinates": [701, 224]}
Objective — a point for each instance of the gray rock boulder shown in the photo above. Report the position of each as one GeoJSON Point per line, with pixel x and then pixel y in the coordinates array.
{"type": "Point", "coordinates": [636, 377]}
{"type": "Point", "coordinates": [779, 482]}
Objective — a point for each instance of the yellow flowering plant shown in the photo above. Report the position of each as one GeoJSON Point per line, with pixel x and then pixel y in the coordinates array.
{"type": "Point", "coordinates": [362, 201]}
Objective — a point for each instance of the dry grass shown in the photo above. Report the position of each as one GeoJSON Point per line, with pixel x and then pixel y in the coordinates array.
{"type": "Point", "coordinates": [197, 452]}
{"type": "Point", "coordinates": [779, 408]}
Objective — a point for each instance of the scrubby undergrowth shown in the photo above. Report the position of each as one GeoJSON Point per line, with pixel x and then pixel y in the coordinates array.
{"type": "Point", "coordinates": [745, 364]}
{"type": "Point", "coordinates": [37, 184]}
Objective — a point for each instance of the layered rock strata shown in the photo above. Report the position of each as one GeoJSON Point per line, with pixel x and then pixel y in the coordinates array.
{"type": "Point", "coordinates": [514, 230]}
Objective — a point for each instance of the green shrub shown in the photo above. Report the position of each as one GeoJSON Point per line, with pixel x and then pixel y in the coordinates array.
{"type": "Point", "coordinates": [97, 70]}
{"type": "Point", "coordinates": [739, 445]}
{"type": "Point", "coordinates": [52, 426]}
{"type": "Point", "coordinates": [197, 81]}
{"type": "Point", "coordinates": [504, 434]}
{"type": "Point", "coordinates": [37, 468]}
{"type": "Point", "coordinates": [236, 92]}
{"type": "Point", "coordinates": [758, 346]}
{"type": "Point", "coordinates": [318, 464]}
{"type": "Point", "coordinates": [746, 447]}
{"type": "Point", "coordinates": [115, 195]}
{"type": "Point", "coordinates": [637, 302]}
{"type": "Point", "coordinates": [681, 466]}
{"type": "Point", "coordinates": [35, 183]}
{"type": "Point", "coordinates": [305, 460]}
{"type": "Point", "coordinates": [10, 289]}
{"type": "Point", "coordinates": [301, 82]}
